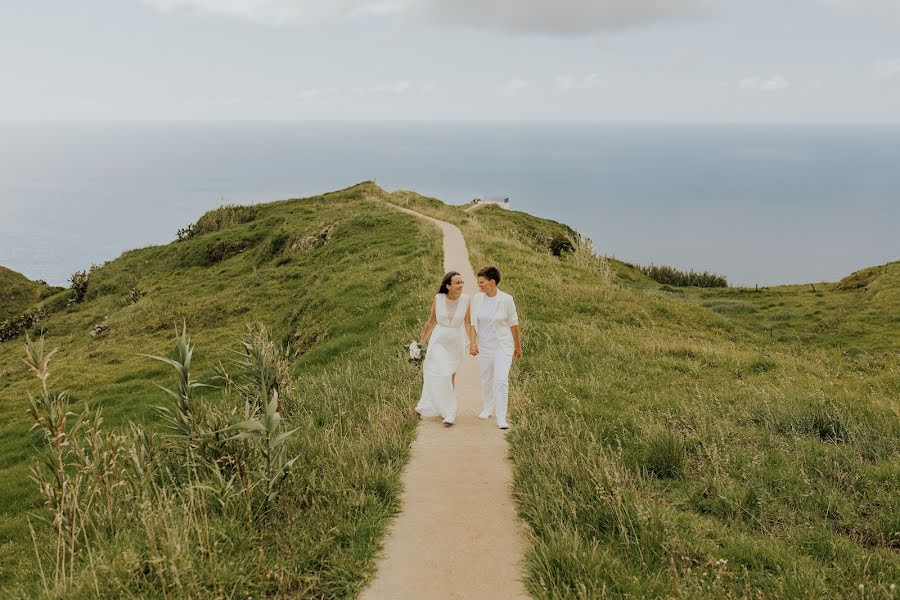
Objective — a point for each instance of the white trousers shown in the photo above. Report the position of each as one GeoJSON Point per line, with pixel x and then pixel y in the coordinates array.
{"type": "Point", "coordinates": [494, 364]}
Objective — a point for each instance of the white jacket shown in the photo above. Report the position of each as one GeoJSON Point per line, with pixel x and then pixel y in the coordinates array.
{"type": "Point", "coordinates": [505, 316]}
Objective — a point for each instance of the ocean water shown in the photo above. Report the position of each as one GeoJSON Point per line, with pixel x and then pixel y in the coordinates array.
{"type": "Point", "coordinates": [760, 204]}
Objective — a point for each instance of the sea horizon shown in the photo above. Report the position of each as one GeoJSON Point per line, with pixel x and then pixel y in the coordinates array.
{"type": "Point", "coordinates": [762, 204]}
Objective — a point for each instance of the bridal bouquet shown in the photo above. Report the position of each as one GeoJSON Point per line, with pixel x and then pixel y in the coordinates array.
{"type": "Point", "coordinates": [416, 352]}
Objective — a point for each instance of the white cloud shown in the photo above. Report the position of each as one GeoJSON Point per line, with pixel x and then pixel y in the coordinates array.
{"type": "Point", "coordinates": [772, 83]}
{"type": "Point", "coordinates": [888, 68]}
{"type": "Point", "coordinates": [560, 17]}
{"type": "Point", "coordinates": [307, 94]}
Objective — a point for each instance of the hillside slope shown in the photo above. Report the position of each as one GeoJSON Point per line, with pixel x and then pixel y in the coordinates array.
{"type": "Point", "coordinates": [665, 447]}
{"type": "Point", "coordinates": [17, 293]}
{"type": "Point", "coordinates": [857, 314]}
{"type": "Point", "coordinates": [342, 281]}
{"type": "Point", "coordinates": [666, 443]}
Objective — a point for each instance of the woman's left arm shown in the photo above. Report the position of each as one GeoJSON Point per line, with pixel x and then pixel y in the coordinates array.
{"type": "Point", "coordinates": [514, 328]}
{"type": "Point", "coordinates": [517, 352]}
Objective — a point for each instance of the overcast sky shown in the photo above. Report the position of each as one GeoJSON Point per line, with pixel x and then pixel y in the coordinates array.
{"type": "Point", "coordinates": [832, 61]}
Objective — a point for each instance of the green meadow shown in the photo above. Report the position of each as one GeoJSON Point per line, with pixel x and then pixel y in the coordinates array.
{"type": "Point", "coordinates": [338, 280]}
{"type": "Point", "coordinates": [697, 442]}
{"type": "Point", "coordinates": [667, 442]}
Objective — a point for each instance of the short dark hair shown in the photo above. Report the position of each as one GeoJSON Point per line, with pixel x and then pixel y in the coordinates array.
{"type": "Point", "coordinates": [446, 281]}
{"type": "Point", "coordinates": [490, 273]}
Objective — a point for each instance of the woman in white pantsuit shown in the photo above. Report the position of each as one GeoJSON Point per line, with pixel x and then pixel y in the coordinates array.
{"type": "Point", "coordinates": [495, 341]}
{"type": "Point", "coordinates": [448, 326]}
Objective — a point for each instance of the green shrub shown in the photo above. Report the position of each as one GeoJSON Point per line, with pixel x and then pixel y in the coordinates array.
{"type": "Point", "coordinates": [559, 244]}
{"type": "Point", "coordinates": [134, 295]}
{"type": "Point", "coordinates": [80, 281]}
{"type": "Point", "coordinates": [672, 276]}
{"type": "Point", "coordinates": [12, 328]}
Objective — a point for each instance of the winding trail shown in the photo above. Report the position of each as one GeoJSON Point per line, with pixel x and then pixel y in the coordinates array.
{"type": "Point", "coordinates": [457, 535]}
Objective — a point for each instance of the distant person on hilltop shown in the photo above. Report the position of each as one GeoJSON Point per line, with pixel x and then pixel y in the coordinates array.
{"type": "Point", "coordinates": [495, 341]}
{"type": "Point", "coordinates": [449, 328]}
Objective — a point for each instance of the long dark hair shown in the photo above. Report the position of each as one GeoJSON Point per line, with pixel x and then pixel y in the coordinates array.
{"type": "Point", "coordinates": [445, 282]}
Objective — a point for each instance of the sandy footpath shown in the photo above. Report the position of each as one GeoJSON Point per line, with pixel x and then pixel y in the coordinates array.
{"type": "Point", "coordinates": [457, 535]}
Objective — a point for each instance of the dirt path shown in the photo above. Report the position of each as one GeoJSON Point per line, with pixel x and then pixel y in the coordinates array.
{"type": "Point", "coordinates": [458, 535]}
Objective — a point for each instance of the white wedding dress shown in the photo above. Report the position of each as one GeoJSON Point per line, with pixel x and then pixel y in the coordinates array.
{"type": "Point", "coordinates": [442, 358]}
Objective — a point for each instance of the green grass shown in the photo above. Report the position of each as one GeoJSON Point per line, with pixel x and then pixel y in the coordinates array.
{"type": "Point", "coordinates": [666, 444]}
{"type": "Point", "coordinates": [18, 293]}
{"type": "Point", "coordinates": [858, 315]}
{"type": "Point", "coordinates": [345, 306]}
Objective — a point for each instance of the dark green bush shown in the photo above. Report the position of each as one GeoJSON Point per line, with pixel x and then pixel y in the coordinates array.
{"type": "Point", "coordinates": [672, 276]}
{"type": "Point", "coordinates": [12, 328]}
{"type": "Point", "coordinates": [79, 281]}
{"type": "Point", "coordinates": [559, 244]}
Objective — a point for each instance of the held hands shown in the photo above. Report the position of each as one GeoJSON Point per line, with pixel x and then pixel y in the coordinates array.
{"type": "Point", "coordinates": [473, 349]}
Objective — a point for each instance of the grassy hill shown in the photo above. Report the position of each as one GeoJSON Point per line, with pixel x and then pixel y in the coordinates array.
{"type": "Point", "coordinates": [698, 443]}
{"type": "Point", "coordinates": [667, 442]}
{"type": "Point", "coordinates": [18, 293]}
{"type": "Point", "coordinates": [857, 314]}
{"type": "Point", "coordinates": [341, 280]}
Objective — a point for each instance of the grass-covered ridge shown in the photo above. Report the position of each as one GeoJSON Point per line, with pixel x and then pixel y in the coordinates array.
{"type": "Point", "coordinates": [668, 443]}
{"type": "Point", "coordinates": [339, 278]}
{"type": "Point", "coordinates": [858, 314]}
{"type": "Point", "coordinates": [18, 293]}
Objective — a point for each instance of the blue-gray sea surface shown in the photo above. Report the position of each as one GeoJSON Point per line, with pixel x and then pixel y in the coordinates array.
{"type": "Point", "coordinates": [759, 204]}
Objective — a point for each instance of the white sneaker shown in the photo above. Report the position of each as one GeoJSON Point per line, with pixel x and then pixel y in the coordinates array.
{"type": "Point", "coordinates": [503, 425]}
{"type": "Point", "coordinates": [484, 415]}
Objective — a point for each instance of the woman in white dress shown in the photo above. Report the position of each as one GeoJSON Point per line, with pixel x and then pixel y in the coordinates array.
{"type": "Point", "coordinates": [448, 325]}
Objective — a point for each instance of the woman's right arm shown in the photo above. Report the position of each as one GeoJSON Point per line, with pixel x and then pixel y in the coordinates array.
{"type": "Point", "coordinates": [429, 325]}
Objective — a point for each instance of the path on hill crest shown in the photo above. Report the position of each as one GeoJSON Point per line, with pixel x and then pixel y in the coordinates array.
{"type": "Point", "coordinates": [457, 534]}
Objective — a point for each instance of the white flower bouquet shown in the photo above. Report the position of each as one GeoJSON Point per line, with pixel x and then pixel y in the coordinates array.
{"type": "Point", "coordinates": [416, 352]}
